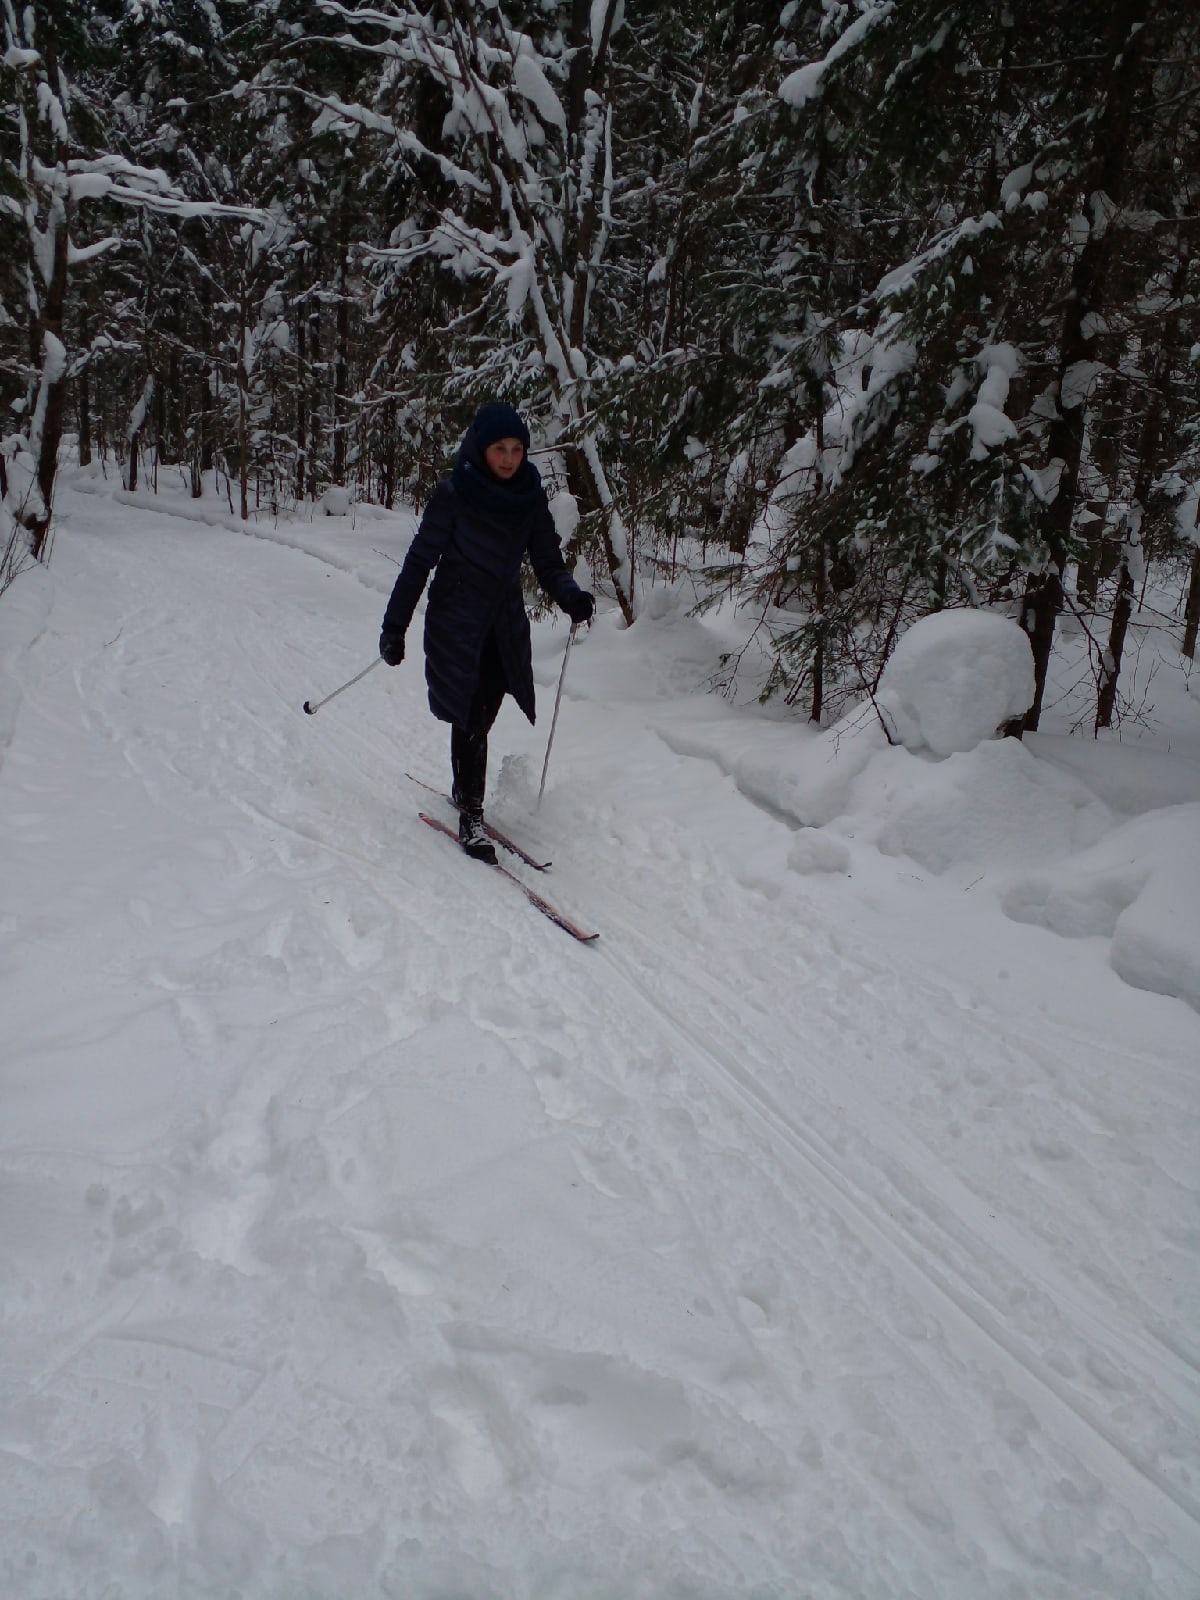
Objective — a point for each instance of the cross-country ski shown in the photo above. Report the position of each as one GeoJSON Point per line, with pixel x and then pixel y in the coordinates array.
{"type": "Point", "coordinates": [497, 835]}
{"type": "Point", "coordinates": [535, 898]}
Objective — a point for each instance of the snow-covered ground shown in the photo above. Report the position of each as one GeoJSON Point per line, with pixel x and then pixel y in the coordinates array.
{"type": "Point", "coordinates": [827, 1229]}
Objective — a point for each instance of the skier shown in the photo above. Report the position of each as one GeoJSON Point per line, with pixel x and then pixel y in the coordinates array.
{"type": "Point", "coordinates": [477, 527]}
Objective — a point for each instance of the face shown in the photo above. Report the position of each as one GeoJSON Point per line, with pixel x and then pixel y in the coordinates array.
{"type": "Point", "coordinates": [504, 457]}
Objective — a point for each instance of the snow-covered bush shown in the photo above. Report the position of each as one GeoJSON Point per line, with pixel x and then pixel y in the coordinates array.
{"type": "Point", "coordinates": [336, 501]}
{"type": "Point", "coordinates": [14, 548]}
{"type": "Point", "coordinates": [955, 679]}
{"type": "Point", "coordinates": [20, 483]}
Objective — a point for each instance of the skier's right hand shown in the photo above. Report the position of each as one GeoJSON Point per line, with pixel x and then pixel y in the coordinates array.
{"type": "Point", "coordinates": [391, 647]}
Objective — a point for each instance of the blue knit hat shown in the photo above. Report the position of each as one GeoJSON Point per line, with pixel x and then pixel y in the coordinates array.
{"type": "Point", "coordinates": [499, 421]}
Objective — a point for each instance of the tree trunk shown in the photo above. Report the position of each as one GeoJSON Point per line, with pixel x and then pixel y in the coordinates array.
{"type": "Point", "coordinates": [302, 380]}
{"type": "Point", "coordinates": [341, 359]}
{"type": "Point", "coordinates": [52, 387]}
{"type": "Point", "coordinates": [1191, 615]}
{"type": "Point", "coordinates": [820, 597]}
{"type": "Point", "coordinates": [1043, 601]}
{"type": "Point", "coordinates": [168, 443]}
{"type": "Point", "coordinates": [585, 480]}
{"type": "Point", "coordinates": [195, 470]}
{"type": "Point", "coordinates": [1143, 483]}
{"type": "Point", "coordinates": [1106, 178]}
{"type": "Point", "coordinates": [821, 583]}
{"type": "Point", "coordinates": [83, 415]}
{"type": "Point", "coordinates": [1111, 666]}
{"type": "Point", "coordinates": [314, 396]}
{"type": "Point", "coordinates": [243, 384]}
{"type": "Point", "coordinates": [242, 381]}
{"type": "Point", "coordinates": [387, 466]}
{"type": "Point", "coordinates": [83, 396]}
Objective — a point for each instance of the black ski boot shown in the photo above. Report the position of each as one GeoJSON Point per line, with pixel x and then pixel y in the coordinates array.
{"type": "Point", "coordinates": [472, 835]}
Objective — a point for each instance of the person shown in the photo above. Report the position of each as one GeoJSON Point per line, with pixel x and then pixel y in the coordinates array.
{"type": "Point", "coordinates": [476, 530]}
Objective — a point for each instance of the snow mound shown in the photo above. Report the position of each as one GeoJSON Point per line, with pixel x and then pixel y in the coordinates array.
{"type": "Point", "coordinates": [26, 604]}
{"type": "Point", "coordinates": [954, 679]}
{"type": "Point", "coordinates": [815, 852]}
{"type": "Point", "coordinates": [808, 780]}
{"type": "Point", "coordinates": [1139, 886]}
{"type": "Point", "coordinates": [995, 806]}
{"type": "Point", "coordinates": [336, 501]}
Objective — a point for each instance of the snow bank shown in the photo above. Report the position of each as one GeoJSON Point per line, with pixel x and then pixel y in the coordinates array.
{"type": "Point", "coordinates": [1139, 887]}
{"type": "Point", "coordinates": [809, 782]}
{"type": "Point", "coordinates": [997, 806]}
{"type": "Point", "coordinates": [1127, 778]}
{"type": "Point", "coordinates": [352, 551]}
{"type": "Point", "coordinates": [24, 609]}
{"type": "Point", "coordinates": [992, 807]}
{"type": "Point", "coordinates": [954, 679]}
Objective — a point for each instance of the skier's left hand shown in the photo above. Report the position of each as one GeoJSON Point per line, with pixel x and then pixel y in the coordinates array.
{"type": "Point", "coordinates": [391, 647]}
{"type": "Point", "coordinates": [580, 607]}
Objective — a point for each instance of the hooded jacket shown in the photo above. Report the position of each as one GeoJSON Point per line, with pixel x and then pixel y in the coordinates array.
{"type": "Point", "coordinates": [476, 532]}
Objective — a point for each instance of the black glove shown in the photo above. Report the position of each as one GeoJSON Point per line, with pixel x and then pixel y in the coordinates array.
{"type": "Point", "coordinates": [580, 606]}
{"type": "Point", "coordinates": [391, 647]}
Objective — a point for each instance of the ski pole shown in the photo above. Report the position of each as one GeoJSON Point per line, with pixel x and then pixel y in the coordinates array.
{"type": "Point", "coordinates": [312, 709]}
{"type": "Point", "coordinates": [557, 702]}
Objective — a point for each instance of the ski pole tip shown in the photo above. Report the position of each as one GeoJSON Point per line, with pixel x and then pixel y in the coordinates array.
{"type": "Point", "coordinates": [308, 709]}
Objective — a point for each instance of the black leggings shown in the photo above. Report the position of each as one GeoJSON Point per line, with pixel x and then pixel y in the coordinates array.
{"type": "Point", "coordinates": [469, 745]}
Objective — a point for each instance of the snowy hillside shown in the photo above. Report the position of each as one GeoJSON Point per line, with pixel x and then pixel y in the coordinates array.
{"type": "Point", "coordinates": [827, 1229]}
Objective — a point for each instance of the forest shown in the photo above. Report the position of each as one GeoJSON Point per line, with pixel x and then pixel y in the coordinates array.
{"type": "Point", "coordinates": [852, 310]}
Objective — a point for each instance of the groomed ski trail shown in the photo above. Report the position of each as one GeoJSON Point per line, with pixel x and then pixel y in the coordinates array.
{"type": "Point", "coordinates": [823, 1312]}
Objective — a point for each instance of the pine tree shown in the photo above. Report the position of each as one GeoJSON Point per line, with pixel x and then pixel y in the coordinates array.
{"type": "Point", "coordinates": [967, 162]}
{"type": "Point", "coordinates": [514, 202]}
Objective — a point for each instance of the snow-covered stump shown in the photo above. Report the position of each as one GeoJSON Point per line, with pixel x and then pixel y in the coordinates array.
{"type": "Point", "coordinates": [955, 679]}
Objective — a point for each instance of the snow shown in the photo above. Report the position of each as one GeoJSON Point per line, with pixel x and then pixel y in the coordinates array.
{"type": "Point", "coordinates": [600, 11]}
{"type": "Point", "coordinates": [988, 422]}
{"type": "Point", "coordinates": [1077, 382]}
{"type": "Point", "coordinates": [77, 255]}
{"type": "Point", "coordinates": [337, 501]}
{"type": "Point", "coordinates": [52, 111]}
{"type": "Point", "coordinates": [1138, 888]}
{"type": "Point", "coordinates": [89, 186]}
{"type": "Point", "coordinates": [807, 83]}
{"type": "Point", "coordinates": [900, 279]}
{"type": "Point", "coordinates": [1014, 186]}
{"type": "Point", "coordinates": [1044, 481]}
{"type": "Point", "coordinates": [1187, 514]}
{"type": "Point", "coordinates": [833, 1215]}
{"type": "Point", "coordinates": [54, 361]}
{"type": "Point", "coordinates": [530, 81]}
{"type": "Point", "coordinates": [954, 679]}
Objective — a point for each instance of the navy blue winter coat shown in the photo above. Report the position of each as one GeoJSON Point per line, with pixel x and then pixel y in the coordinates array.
{"type": "Point", "coordinates": [476, 531]}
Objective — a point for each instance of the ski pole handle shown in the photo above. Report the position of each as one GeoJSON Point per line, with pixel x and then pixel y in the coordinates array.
{"type": "Point", "coordinates": [312, 709]}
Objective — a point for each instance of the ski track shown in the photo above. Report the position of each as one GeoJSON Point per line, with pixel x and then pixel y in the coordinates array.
{"type": "Point", "coordinates": [934, 1268]}
{"type": "Point", "coordinates": [333, 1363]}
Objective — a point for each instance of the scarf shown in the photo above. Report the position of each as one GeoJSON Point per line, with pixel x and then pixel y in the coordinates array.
{"type": "Point", "coordinates": [509, 502]}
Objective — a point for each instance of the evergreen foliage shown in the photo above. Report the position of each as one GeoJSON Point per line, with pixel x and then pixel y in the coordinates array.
{"type": "Point", "coordinates": [868, 308]}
